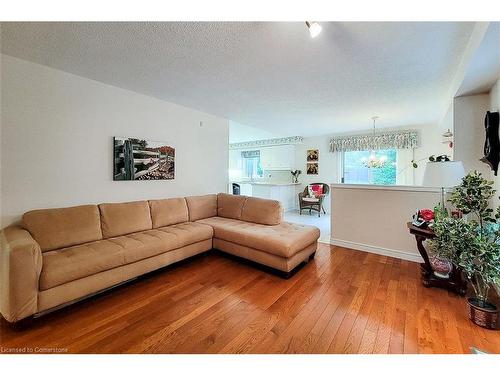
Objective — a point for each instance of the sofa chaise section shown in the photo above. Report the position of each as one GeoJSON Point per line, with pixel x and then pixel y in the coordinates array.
{"type": "Point", "coordinates": [284, 240]}
{"type": "Point", "coordinates": [252, 228]}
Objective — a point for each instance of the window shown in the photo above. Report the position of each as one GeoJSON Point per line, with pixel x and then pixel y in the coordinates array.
{"type": "Point", "coordinates": [252, 166]}
{"type": "Point", "coordinates": [355, 172]}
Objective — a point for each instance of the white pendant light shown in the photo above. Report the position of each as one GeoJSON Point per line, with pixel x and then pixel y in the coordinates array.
{"type": "Point", "coordinates": [314, 29]}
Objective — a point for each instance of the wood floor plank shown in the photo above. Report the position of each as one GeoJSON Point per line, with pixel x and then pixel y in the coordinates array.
{"type": "Point", "coordinates": [410, 340]}
{"type": "Point", "coordinates": [344, 301]}
{"type": "Point", "coordinates": [288, 308]}
{"type": "Point", "coordinates": [371, 281]}
{"type": "Point", "coordinates": [311, 339]}
{"type": "Point", "coordinates": [384, 331]}
{"type": "Point", "coordinates": [223, 330]}
{"type": "Point", "coordinates": [251, 334]}
{"type": "Point", "coordinates": [289, 340]}
{"type": "Point", "coordinates": [326, 338]}
{"type": "Point", "coordinates": [360, 301]}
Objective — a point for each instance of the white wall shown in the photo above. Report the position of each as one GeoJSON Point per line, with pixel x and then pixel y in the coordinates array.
{"type": "Point", "coordinates": [56, 146]}
{"type": "Point", "coordinates": [495, 97]}
{"type": "Point", "coordinates": [443, 126]}
{"type": "Point", "coordinates": [469, 135]}
{"type": "Point", "coordinates": [431, 143]}
{"type": "Point", "coordinates": [373, 218]}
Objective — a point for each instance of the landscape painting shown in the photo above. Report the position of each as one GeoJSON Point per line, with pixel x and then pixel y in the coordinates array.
{"type": "Point", "coordinates": [140, 159]}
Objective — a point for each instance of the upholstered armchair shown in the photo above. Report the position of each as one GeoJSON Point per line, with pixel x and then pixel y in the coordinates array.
{"type": "Point", "coordinates": [312, 198]}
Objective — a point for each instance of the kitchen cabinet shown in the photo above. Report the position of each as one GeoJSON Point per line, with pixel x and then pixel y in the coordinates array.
{"type": "Point", "coordinates": [274, 158]}
{"type": "Point", "coordinates": [246, 189]}
{"type": "Point", "coordinates": [278, 157]}
{"type": "Point", "coordinates": [286, 193]}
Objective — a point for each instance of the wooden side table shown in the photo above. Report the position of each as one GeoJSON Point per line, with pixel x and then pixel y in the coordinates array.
{"type": "Point", "coordinates": [454, 282]}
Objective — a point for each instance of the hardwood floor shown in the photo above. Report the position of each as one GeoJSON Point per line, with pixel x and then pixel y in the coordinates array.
{"type": "Point", "coordinates": [344, 301]}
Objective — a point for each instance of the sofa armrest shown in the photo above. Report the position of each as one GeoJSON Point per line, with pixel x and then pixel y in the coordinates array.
{"type": "Point", "coordinates": [20, 268]}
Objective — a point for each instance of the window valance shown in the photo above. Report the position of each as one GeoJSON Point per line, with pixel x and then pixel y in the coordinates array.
{"type": "Point", "coordinates": [383, 141]}
{"type": "Point", "coordinates": [250, 154]}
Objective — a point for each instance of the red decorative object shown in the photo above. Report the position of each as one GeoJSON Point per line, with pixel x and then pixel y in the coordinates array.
{"type": "Point", "coordinates": [317, 190]}
{"type": "Point", "coordinates": [427, 215]}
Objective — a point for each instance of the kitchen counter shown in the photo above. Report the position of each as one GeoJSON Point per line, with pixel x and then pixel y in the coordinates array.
{"type": "Point", "coordinates": [267, 183]}
{"type": "Point", "coordinates": [285, 192]}
{"type": "Point", "coordinates": [385, 187]}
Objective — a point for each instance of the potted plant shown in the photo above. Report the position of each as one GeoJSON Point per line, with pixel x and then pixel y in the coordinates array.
{"type": "Point", "coordinates": [295, 175]}
{"type": "Point", "coordinates": [472, 242]}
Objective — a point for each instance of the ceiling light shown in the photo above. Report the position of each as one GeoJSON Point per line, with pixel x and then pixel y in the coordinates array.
{"type": "Point", "coordinates": [314, 29]}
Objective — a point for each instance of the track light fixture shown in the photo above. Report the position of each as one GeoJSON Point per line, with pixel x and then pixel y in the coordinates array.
{"type": "Point", "coordinates": [314, 29]}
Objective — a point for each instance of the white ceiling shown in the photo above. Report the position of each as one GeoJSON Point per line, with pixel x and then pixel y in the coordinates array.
{"type": "Point", "coordinates": [267, 75]}
{"type": "Point", "coordinates": [243, 133]}
{"type": "Point", "coordinates": [484, 67]}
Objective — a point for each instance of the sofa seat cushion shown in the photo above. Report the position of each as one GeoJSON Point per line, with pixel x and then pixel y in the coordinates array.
{"type": "Point", "coordinates": [310, 199]}
{"type": "Point", "coordinates": [65, 265]}
{"type": "Point", "coordinates": [72, 263]}
{"type": "Point", "coordinates": [285, 239]}
{"type": "Point", "coordinates": [138, 246]}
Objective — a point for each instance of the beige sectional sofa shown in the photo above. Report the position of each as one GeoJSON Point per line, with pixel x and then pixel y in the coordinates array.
{"type": "Point", "coordinates": [58, 256]}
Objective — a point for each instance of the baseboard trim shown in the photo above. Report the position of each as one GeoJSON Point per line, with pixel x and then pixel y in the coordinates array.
{"type": "Point", "coordinates": [377, 250]}
{"type": "Point", "coordinates": [324, 240]}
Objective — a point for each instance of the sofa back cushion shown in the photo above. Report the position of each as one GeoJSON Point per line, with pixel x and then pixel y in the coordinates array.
{"type": "Point", "coordinates": [166, 212]}
{"type": "Point", "coordinates": [118, 219]}
{"type": "Point", "coordinates": [230, 206]}
{"type": "Point", "coordinates": [262, 211]}
{"type": "Point", "coordinates": [63, 227]}
{"type": "Point", "coordinates": [202, 207]}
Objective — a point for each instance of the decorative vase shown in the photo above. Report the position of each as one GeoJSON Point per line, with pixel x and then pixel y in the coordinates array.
{"type": "Point", "coordinates": [442, 267]}
{"type": "Point", "coordinates": [484, 316]}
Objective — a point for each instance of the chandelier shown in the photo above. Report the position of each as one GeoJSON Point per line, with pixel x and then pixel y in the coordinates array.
{"type": "Point", "coordinates": [373, 161]}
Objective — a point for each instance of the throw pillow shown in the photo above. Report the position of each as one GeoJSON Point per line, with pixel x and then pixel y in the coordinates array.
{"type": "Point", "coordinates": [315, 190]}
